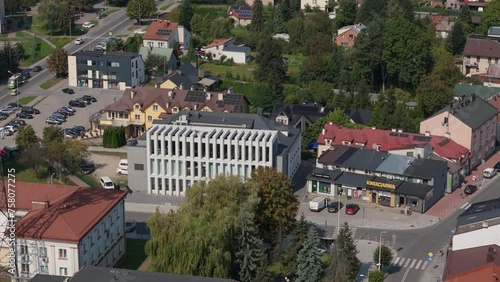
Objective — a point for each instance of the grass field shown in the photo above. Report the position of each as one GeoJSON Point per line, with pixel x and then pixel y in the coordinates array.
{"type": "Point", "coordinates": [221, 70]}
{"type": "Point", "coordinates": [32, 46]}
{"type": "Point", "coordinates": [295, 64]}
{"type": "Point", "coordinates": [136, 254]}
{"type": "Point", "coordinates": [214, 10]}
{"type": "Point", "coordinates": [108, 12]}
{"type": "Point", "coordinates": [33, 24]}
{"type": "Point", "coordinates": [59, 41]}
{"type": "Point", "coordinates": [26, 100]}
{"type": "Point", "coordinates": [51, 82]}
{"type": "Point", "coordinates": [26, 174]}
{"type": "Point", "coordinates": [89, 179]}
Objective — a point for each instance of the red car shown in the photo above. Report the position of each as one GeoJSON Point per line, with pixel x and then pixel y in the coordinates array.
{"type": "Point", "coordinates": [351, 209]}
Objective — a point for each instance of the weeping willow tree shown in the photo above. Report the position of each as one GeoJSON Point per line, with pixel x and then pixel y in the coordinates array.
{"type": "Point", "coordinates": [198, 238]}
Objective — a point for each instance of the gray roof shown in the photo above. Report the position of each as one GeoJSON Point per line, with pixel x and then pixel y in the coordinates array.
{"type": "Point", "coordinates": [395, 164]}
{"type": "Point", "coordinates": [473, 111]}
{"type": "Point", "coordinates": [145, 51]}
{"type": "Point", "coordinates": [366, 160]}
{"type": "Point", "coordinates": [480, 211]}
{"type": "Point", "coordinates": [354, 179]}
{"type": "Point", "coordinates": [241, 49]}
{"type": "Point", "coordinates": [179, 79]}
{"type": "Point", "coordinates": [47, 278]}
{"type": "Point", "coordinates": [482, 91]}
{"type": "Point", "coordinates": [109, 55]}
{"type": "Point", "coordinates": [494, 30]}
{"type": "Point", "coordinates": [100, 274]}
{"type": "Point", "coordinates": [452, 167]}
{"type": "Point", "coordinates": [330, 174]}
{"type": "Point", "coordinates": [413, 189]}
{"type": "Point", "coordinates": [425, 168]}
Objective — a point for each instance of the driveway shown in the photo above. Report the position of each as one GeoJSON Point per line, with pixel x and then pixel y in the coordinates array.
{"type": "Point", "coordinates": [106, 165]}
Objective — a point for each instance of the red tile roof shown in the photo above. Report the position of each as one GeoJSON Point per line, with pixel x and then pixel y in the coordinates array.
{"type": "Point", "coordinates": [435, 19]}
{"type": "Point", "coordinates": [371, 137]}
{"type": "Point", "coordinates": [154, 27]}
{"type": "Point", "coordinates": [465, 262]}
{"type": "Point", "coordinates": [482, 47]}
{"type": "Point", "coordinates": [71, 212]}
{"type": "Point", "coordinates": [217, 42]}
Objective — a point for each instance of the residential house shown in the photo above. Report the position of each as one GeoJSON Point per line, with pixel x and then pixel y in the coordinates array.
{"type": "Point", "coordinates": [400, 143]}
{"type": "Point", "coordinates": [165, 34]}
{"type": "Point", "coordinates": [495, 101]}
{"type": "Point", "coordinates": [265, 3]}
{"type": "Point", "coordinates": [479, 53]}
{"type": "Point", "coordinates": [64, 228]}
{"type": "Point", "coordinates": [443, 24]}
{"type": "Point", "coordinates": [194, 146]}
{"type": "Point", "coordinates": [474, 5]}
{"type": "Point", "coordinates": [379, 177]}
{"type": "Point", "coordinates": [240, 15]}
{"type": "Point", "coordinates": [470, 122]}
{"type": "Point", "coordinates": [170, 62]}
{"type": "Point", "coordinates": [100, 274]}
{"type": "Point", "coordinates": [221, 49]}
{"type": "Point", "coordinates": [113, 70]}
{"type": "Point", "coordinates": [140, 106]}
{"type": "Point", "coordinates": [461, 91]}
{"type": "Point", "coordinates": [189, 77]}
{"type": "Point", "coordinates": [322, 5]}
{"type": "Point", "coordinates": [491, 78]}
{"type": "Point", "coordinates": [478, 225]}
{"type": "Point", "coordinates": [347, 35]}
{"type": "Point", "coordinates": [302, 116]}
{"type": "Point", "coordinates": [473, 264]}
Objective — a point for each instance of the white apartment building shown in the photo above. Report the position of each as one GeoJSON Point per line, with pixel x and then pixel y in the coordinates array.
{"type": "Point", "coordinates": [165, 34]}
{"type": "Point", "coordinates": [69, 229]}
{"type": "Point", "coordinates": [197, 146]}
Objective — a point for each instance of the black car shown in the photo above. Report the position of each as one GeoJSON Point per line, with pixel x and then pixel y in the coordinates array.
{"type": "Point", "coordinates": [65, 112]}
{"type": "Point", "coordinates": [30, 110]}
{"type": "Point", "coordinates": [76, 103]}
{"type": "Point", "coordinates": [3, 115]}
{"type": "Point", "coordinates": [79, 129]}
{"type": "Point", "coordinates": [87, 167]}
{"type": "Point", "coordinates": [17, 122]}
{"type": "Point", "coordinates": [24, 116]}
{"type": "Point", "coordinates": [68, 91]}
{"type": "Point", "coordinates": [56, 114]}
{"type": "Point", "coordinates": [334, 206]}
{"type": "Point", "coordinates": [89, 98]}
{"type": "Point", "coordinates": [14, 105]}
{"type": "Point", "coordinates": [58, 118]}
{"type": "Point", "coordinates": [497, 166]}
{"type": "Point", "coordinates": [86, 102]}
{"type": "Point", "coordinates": [470, 189]}
{"type": "Point", "coordinates": [36, 69]}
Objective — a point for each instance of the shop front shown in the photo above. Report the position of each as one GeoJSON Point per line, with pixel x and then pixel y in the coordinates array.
{"type": "Point", "coordinates": [321, 181]}
{"type": "Point", "coordinates": [416, 197]}
{"type": "Point", "coordinates": [382, 191]}
{"type": "Point", "coordinates": [352, 185]}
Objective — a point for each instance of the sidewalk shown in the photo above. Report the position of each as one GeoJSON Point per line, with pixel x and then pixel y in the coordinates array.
{"type": "Point", "coordinates": [76, 180]}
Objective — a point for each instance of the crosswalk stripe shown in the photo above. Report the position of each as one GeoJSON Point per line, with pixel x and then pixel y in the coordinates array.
{"type": "Point", "coordinates": [413, 263]}
{"type": "Point", "coordinates": [407, 262]}
{"type": "Point", "coordinates": [396, 261]}
{"type": "Point", "coordinates": [425, 264]}
{"type": "Point", "coordinates": [401, 262]}
{"type": "Point", "coordinates": [418, 264]}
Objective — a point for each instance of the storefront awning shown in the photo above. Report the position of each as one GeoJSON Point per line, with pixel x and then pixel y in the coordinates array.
{"type": "Point", "coordinates": [383, 184]}
{"type": "Point", "coordinates": [354, 179]}
{"type": "Point", "coordinates": [325, 175]}
{"type": "Point", "coordinates": [414, 189]}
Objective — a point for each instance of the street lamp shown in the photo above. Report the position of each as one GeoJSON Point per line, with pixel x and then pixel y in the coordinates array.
{"type": "Point", "coordinates": [17, 88]}
{"type": "Point", "coordinates": [380, 250]}
{"type": "Point", "coordinates": [53, 174]}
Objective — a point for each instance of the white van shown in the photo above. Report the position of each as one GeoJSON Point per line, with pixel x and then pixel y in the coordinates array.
{"type": "Point", "coordinates": [122, 167]}
{"type": "Point", "coordinates": [107, 183]}
{"type": "Point", "coordinates": [489, 173]}
{"type": "Point", "coordinates": [317, 204]}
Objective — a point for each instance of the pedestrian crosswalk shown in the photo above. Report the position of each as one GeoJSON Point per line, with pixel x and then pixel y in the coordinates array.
{"type": "Point", "coordinates": [336, 231]}
{"type": "Point", "coordinates": [410, 263]}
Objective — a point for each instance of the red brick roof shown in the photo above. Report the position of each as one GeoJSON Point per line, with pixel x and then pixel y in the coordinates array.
{"type": "Point", "coordinates": [217, 42]}
{"type": "Point", "coordinates": [371, 137]}
{"type": "Point", "coordinates": [482, 47]}
{"type": "Point", "coordinates": [154, 27]}
{"type": "Point", "coordinates": [71, 212]}
{"type": "Point", "coordinates": [471, 263]}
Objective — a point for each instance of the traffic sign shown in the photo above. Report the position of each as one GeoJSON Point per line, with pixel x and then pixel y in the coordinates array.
{"type": "Point", "coordinates": [430, 258]}
{"type": "Point", "coordinates": [430, 254]}
{"type": "Point", "coordinates": [452, 231]}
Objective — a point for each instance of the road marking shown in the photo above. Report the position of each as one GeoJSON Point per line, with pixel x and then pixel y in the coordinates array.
{"type": "Point", "coordinates": [468, 206]}
{"type": "Point", "coordinates": [401, 262]}
{"type": "Point", "coordinates": [418, 264]}
{"type": "Point", "coordinates": [406, 274]}
{"type": "Point", "coordinates": [396, 261]}
{"type": "Point", "coordinates": [407, 262]}
{"type": "Point", "coordinates": [413, 263]}
{"type": "Point", "coordinates": [464, 205]}
{"type": "Point", "coordinates": [425, 264]}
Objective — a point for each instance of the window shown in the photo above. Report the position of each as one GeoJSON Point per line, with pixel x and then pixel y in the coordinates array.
{"type": "Point", "coordinates": [25, 268]}
{"type": "Point", "coordinates": [175, 110]}
{"type": "Point", "coordinates": [113, 64]}
{"type": "Point", "coordinates": [43, 251]}
{"type": "Point", "coordinates": [150, 118]}
{"type": "Point", "coordinates": [62, 253]}
{"type": "Point", "coordinates": [138, 166]}
{"type": "Point", "coordinates": [63, 271]}
{"type": "Point", "coordinates": [489, 60]}
{"type": "Point", "coordinates": [155, 108]}
{"type": "Point", "coordinates": [44, 269]}
{"type": "Point", "coordinates": [351, 36]}
{"type": "Point", "coordinates": [24, 250]}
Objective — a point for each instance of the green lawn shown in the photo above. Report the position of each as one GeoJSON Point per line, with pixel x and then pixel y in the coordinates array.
{"type": "Point", "coordinates": [244, 71]}
{"type": "Point", "coordinates": [108, 12]}
{"type": "Point", "coordinates": [164, 8]}
{"type": "Point", "coordinates": [214, 10]}
{"type": "Point", "coordinates": [89, 179]}
{"type": "Point", "coordinates": [26, 174]}
{"type": "Point", "coordinates": [51, 82]}
{"type": "Point", "coordinates": [26, 100]}
{"type": "Point", "coordinates": [240, 32]}
{"type": "Point", "coordinates": [32, 46]}
{"type": "Point", "coordinates": [59, 41]}
{"type": "Point", "coordinates": [295, 64]}
{"type": "Point", "coordinates": [136, 254]}
{"type": "Point", "coordinates": [33, 24]}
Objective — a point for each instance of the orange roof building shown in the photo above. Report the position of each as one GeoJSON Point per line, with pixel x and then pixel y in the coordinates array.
{"type": "Point", "coordinates": [165, 34]}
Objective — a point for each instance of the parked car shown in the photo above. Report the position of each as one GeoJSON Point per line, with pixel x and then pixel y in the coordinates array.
{"type": "Point", "coordinates": [56, 114]}
{"type": "Point", "coordinates": [90, 98]}
{"type": "Point", "coordinates": [88, 25]}
{"type": "Point", "coordinates": [12, 128]}
{"type": "Point", "coordinates": [76, 103]}
{"type": "Point", "coordinates": [3, 115]}
{"type": "Point", "coordinates": [30, 110]}
{"type": "Point", "coordinates": [130, 225]}
{"type": "Point", "coordinates": [68, 91]}
{"type": "Point", "coordinates": [86, 102]}
{"type": "Point", "coordinates": [351, 209]}
{"type": "Point", "coordinates": [79, 129]}
{"type": "Point", "coordinates": [9, 110]}
{"type": "Point", "coordinates": [17, 122]}
{"type": "Point", "coordinates": [69, 133]}
{"type": "Point", "coordinates": [24, 8]}
{"type": "Point", "coordinates": [334, 207]}
{"type": "Point", "coordinates": [78, 41]}
{"type": "Point", "coordinates": [65, 112]}
{"type": "Point", "coordinates": [59, 119]}
{"type": "Point", "coordinates": [497, 166]}
{"type": "Point", "coordinates": [24, 115]}
{"type": "Point", "coordinates": [489, 173]}
{"type": "Point", "coordinates": [51, 120]}
{"type": "Point", "coordinates": [36, 69]}
{"type": "Point", "coordinates": [87, 167]}
{"type": "Point", "coordinates": [470, 189]}
{"type": "Point", "coordinates": [5, 132]}
{"type": "Point", "coordinates": [15, 105]}
{"type": "Point", "coordinates": [69, 109]}
{"type": "Point", "coordinates": [107, 183]}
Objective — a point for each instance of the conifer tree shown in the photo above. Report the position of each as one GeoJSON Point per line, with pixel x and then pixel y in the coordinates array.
{"type": "Point", "coordinates": [309, 265]}
{"type": "Point", "coordinates": [249, 248]}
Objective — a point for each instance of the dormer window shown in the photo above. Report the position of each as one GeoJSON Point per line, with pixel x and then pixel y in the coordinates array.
{"type": "Point", "coordinates": [328, 141]}
{"type": "Point", "coordinates": [346, 143]}
{"type": "Point", "coordinates": [137, 107]}
{"type": "Point", "coordinates": [175, 110]}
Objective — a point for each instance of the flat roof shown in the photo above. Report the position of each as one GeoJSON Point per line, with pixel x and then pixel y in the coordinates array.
{"type": "Point", "coordinates": [480, 211]}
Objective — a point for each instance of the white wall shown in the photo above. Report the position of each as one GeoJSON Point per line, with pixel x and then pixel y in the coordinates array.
{"type": "Point", "coordinates": [294, 157]}
{"type": "Point", "coordinates": [184, 36]}
{"type": "Point", "coordinates": [321, 4]}
{"type": "Point", "coordinates": [477, 238]}
{"type": "Point", "coordinates": [72, 72]}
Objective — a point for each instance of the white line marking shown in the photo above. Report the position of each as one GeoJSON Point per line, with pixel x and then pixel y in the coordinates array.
{"type": "Point", "coordinates": [407, 262]}
{"type": "Point", "coordinates": [418, 264]}
{"type": "Point", "coordinates": [464, 205]}
{"type": "Point", "coordinates": [406, 274]}
{"type": "Point", "coordinates": [396, 261]}
{"type": "Point", "coordinates": [401, 262]}
{"type": "Point", "coordinates": [425, 264]}
{"type": "Point", "coordinates": [413, 263]}
{"type": "Point", "coordinates": [468, 206]}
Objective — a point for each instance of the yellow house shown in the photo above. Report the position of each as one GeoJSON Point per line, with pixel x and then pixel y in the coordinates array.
{"type": "Point", "coordinates": [139, 107]}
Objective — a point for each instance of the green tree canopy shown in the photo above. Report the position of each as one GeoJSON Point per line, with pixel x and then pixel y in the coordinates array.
{"type": "Point", "coordinates": [250, 248]}
{"type": "Point", "coordinates": [455, 42]}
{"type": "Point", "coordinates": [271, 68]}
{"type": "Point", "coordinates": [369, 49]}
{"type": "Point", "coordinates": [140, 9]}
{"type": "Point", "coordinates": [221, 28]}
{"type": "Point", "coordinates": [386, 256]}
{"type": "Point", "coordinates": [52, 134]}
{"type": "Point", "coordinates": [258, 20]}
{"type": "Point", "coordinates": [25, 137]}
{"type": "Point", "coordinates": [371, 10]}
{"type": "Point", "coordinates": [465, 17]}
{"type": "Point", "coordinates": [346, 13]}
{"type": "Point", "coordinates": [298, 237]}
{"type": "Point", "coordinates": [58, 61]}
{"type": "Point", "coordinates": [309, 265]}
{"type": "Point", "coordinates": [345, 264]}
{"type": "Point", "coordinates": [187, 13]}
{"type": "Point", "coordinates": [55, 15]}
{"type": "Point", "coordinates": [491, 15]}
{"type": "Point", "coordinates": [376, 276]}
{"type": "Point", "coordinates": [156, 65]}
{"type": "Point", "coordinates": [401, 8]}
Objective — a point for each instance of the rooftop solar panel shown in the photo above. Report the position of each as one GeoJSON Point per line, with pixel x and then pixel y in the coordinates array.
{"type": "Point", "coordinates": [419, 138]}
{"type": "Point", "coordinates": [193, 96]}
{"type": "Point", "coordinates": [346, 155]}
{"type": "Point", "coordinates": [393, 134]}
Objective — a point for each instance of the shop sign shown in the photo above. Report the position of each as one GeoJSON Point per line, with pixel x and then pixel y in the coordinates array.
{"type": "Point", "coordinates": [320, 175]}
{"type": "Point", "coordinates": [429, 194]}
{"type": "Point", "coordinates": [380, 185]}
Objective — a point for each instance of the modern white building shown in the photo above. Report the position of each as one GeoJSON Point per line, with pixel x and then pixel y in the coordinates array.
{"type": "Point", "coordinates": [196, 146]}
{"type": "Point", "coordinates": [478, 226]}
{"type": "Point", "coordinates": [67, 228]}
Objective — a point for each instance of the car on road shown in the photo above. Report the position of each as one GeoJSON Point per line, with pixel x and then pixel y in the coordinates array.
{"type": "Point", "coordinates": [15, 105]}
{"type": "Point", "coordinates": [489, 172]}
{"type": "Point", "coordinates": [24, 8]}
{"type": "Point", "coordinates": [36, 69]}
{"type": "Point", "coordinates": [140, 31]}
{"type": "Point", "coordinates": [89, 98]}
{"type": "Point", "coordinates": [30, 110]}
{"type": "Point", "coordinates": [51, 120]}
{"type": "Point", "coordinates": [86, 167]}
{"type": "Point", "coordinates": [130, 225]}
{"type": "Point", "coordinates": [68, 91]}
{"type": "Point", "coordinates": [497, 166]}
{"type": "Point", "coordinates": [470, 189]}
{"type": "Point", "coordinates": [76, 103]}
{"type": "Point", "coordinates": [24, 115]}
{"type": "Point", "coordinates": [351, 209]}
{"type": "Point", "coordinates": [334, 207]}
{"type": "Point", "coordinates": [88, 25]}
{"type": "Point", "coordinates": [78, 41]}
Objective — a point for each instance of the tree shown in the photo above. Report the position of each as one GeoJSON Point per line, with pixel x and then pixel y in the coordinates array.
{"type": "Point", "coordinates": [117, 3]}
{"type": "Point", "coordinates": [455, 42]}
{"type": "Point", "coordinates": [249, 248]}
{"type": "Point", "coordinates": [175, 15]}
{"type": "Point", "coordinates": [25, 137]}
{"type": "Point", "coordinates": [369, 50]}
{"type": "Point", "coordinates": [318, 44]}
{"type": "Point", "coordinates": [58, 61]}
{"type": "Point", "coordinates": [278, 22]}
{"type": "Point", "coordinates": [401, 8]}
{"type": "Point", "coordinates": [115, 45]}
{"type": "Point", "coordinates": [55, 15]}
{"type": "Point", "coordinates": [133, 43]}
{"type": "Point", "coordinates": [81, 4]}
{"type": "Point", "coordinates": [33, 156]}
{"type": "Point", "coordinates": [263, 274]}
{"type": "Point", "coordinates": [310, 267]}
{"type": "Point", "coordinates": [294, 6]}
{"type": "Point", "coordinates": [345, 264]}
{"type": "Point", "coordinates": [346, 13]}
{"type": "Point", "coordinates": [197, 24]}
{"type": "Point", "coordinates": [52, 134]}
{"type": "Point", "coordinates": [156, 65]}
{"type": "Point", "coordinates": [385, 257]}
{"type": "Point", "coordinates": [258, 20]}
{"type": "Point", "coordinates": [285, 12]}
{"type": "Point", "coordinates": [140, 9]}
{"type": "Point", "coordinates": [371, 10]}
{"type": "Point", "coordinates": [491, 14]}
{"type": "Point", "coordinates": [276, 211]}
{"type": "Point", "coordinates": [221, 28]}
{"type": "Point", "coordinates": [13, 55]}
{"type": "Point", "coordinates": [317, 69]}
{"type": "Point", "coordinates": [338, 117]}
{"type": "Point", "coordinates": [298, 237]}
{"type": "Point", "coordinates": [187, 12]}
{"type": "Point", "coordinates": [376, 276]}
{"type": "Point", "coordinates": [271, 68]}
{"type": "Point", "coordinates": [295, 29]}
{"type": "Point", "coordinates": [465, 17]}
{"type": "Point", "coordinates": [12, 5]}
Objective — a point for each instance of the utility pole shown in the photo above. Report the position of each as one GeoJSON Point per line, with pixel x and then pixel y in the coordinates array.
{"type": "Point", "coordinates": [34, 46]}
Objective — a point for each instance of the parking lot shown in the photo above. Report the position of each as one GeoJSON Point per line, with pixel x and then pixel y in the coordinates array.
{"type": "Point", "coordinates": [57, 99]}
{"type": "Point", "coordinates": [106, 165]}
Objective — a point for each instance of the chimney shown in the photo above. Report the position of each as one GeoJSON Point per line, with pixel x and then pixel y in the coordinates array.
{"type": "Point", "coordinates": [170, 94]}
{"type": "Point", "coordinates": [322, 110]}
{"type": "Point", "coordinates": [220, 96]}
{"type": "Point", "coordinates": [39, 205]}
{"type": "Point", "coordinates": [181, 86]}
{"type": "Point", "coordinates": [260, 111]}
{"type": "Point", "coordinates": [201, 73]}
{"type": "Point", "coordinates": [168, 105]}
{"type": "Point", "coordinates": [196, 106]}
{"type": "Point", "coordinates": [373, 127]}
{"type": "Point", "coordinates": [393, 130]}
{"type": "Point", "coordinates": [330, 123]}
{"type": "Point", "coordinates": [400, 130]}
{"type": "Point", "coordinates": [230, 90]}
{"type": "Point", "coordinates": [323, 131]}
{"type": "Point", "coordinates": [132, 92]}
{"type": "Point", "coordinates": [192, 88]}
{"type": "Point", "coordinates": [427, 133]}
